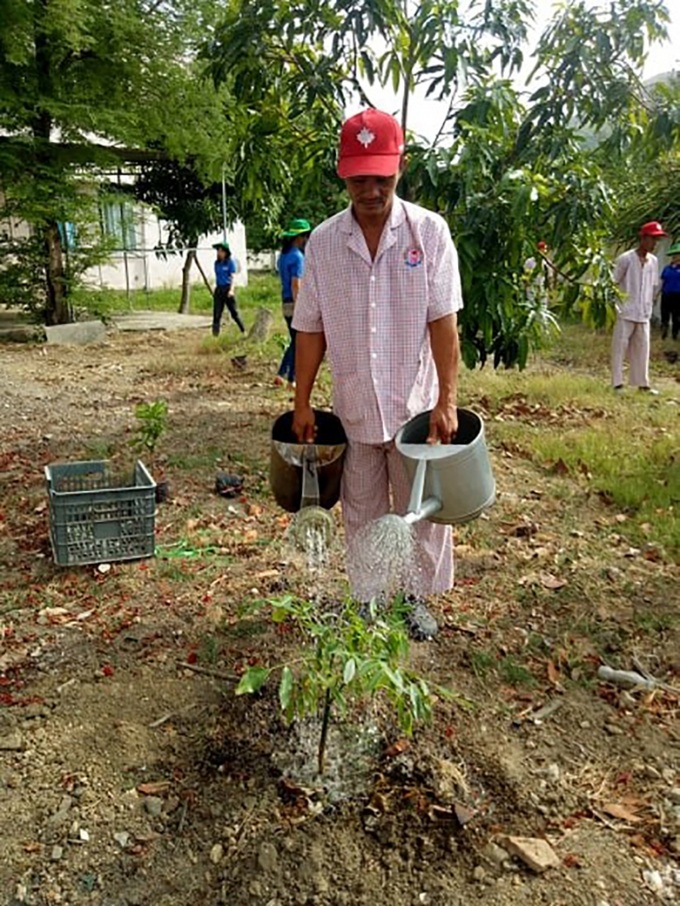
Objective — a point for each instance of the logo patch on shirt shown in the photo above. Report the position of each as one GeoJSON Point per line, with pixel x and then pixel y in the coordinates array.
{"type": "Point", "coordinates": [413, 258]}
{"type": "Point", "coordinates": [365, 137]}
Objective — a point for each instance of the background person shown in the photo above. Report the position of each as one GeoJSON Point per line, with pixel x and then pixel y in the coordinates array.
{"type": "Point", "coordinates": [223, 297]}
{"type": "Point", "coordinates": [636, 273]}
{"type": "Point", "coordinates": [290, 268]}
{"type": "Point", "coordinates": [380, 295]}
{"type": "Point", "coordinates": [670, 294]}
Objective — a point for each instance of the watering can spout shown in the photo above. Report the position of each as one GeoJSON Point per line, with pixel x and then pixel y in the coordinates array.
{"type": "Point", "coordinates": [417, 507]}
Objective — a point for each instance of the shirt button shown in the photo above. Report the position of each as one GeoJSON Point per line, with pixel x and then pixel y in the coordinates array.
{"type": "Point", "coordinates": [373, 329]}
{"type": "Point", "coordinates": [372, 278]}
{"type": "Point", "coordinates": [374, 355]}
{"type": "Point", "coordinates": [373, 305]}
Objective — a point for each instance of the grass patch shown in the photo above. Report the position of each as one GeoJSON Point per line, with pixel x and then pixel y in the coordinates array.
{"type": "Point", "coordinates": [262, 290]}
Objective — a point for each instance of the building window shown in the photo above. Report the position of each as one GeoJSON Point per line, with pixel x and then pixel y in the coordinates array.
{"type": "Point", "coordinates": [119, 223]}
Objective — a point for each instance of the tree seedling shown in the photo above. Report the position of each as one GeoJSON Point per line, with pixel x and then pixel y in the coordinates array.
{"type": "Point", "coordinates": [346, 661]}
{"type": "Point", "coordinates": [152, 421]}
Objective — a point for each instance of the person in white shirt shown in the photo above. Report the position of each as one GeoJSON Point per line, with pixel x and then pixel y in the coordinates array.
{"type": "Point", "coordinates": [636, 273]}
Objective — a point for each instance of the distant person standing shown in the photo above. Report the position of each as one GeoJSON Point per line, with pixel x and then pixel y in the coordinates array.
{"type": "Point", "coordinates": [670, 294]}
{"type": "Point", "coordinates": [538, 275]}
{"type": "Point", "coordinates": [223, 297]}
{"type": "Point", "coordinates": [290, 267]}
{"type": "Point", "coordinates": [636, 273]}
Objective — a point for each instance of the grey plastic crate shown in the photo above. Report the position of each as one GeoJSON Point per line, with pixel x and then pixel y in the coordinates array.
{"type": "Point", "coordinates": [96, 517]}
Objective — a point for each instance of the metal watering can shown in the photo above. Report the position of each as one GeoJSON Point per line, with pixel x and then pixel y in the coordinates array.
{"type": "Point", "coordinates": [450, 483]}
{"type": "Point", "coordinates": [303, 475]}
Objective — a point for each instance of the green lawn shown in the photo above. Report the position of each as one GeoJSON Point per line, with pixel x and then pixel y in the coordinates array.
{"type": "Point", "coordinates": [262, 289]}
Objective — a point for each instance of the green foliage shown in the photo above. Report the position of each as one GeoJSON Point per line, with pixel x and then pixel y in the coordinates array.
{"type": "Point", "coordinates": [152, 424]}
{"type": "Point", "coordinates": [345, 661]}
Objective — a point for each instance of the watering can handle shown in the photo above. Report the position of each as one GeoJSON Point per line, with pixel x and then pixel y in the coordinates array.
{"type": "Point", "coordinates": [418, 487]}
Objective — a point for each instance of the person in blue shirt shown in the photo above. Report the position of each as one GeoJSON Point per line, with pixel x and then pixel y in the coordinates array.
{"type": "Point", "coordinates": [223, 297]}
{"type": "Point", "coordinates": [670, 294]}
{"type": "Point", "coordinates": [290, 267]}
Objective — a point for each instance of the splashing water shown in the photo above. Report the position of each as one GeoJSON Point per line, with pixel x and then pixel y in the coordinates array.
{"type": "Point", "coordinates": [383, 557]}
{"type": "Point", "coordinates": [311, 531]}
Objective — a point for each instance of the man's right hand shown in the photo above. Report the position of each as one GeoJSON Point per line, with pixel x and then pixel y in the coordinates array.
{"type": "Point", "coordinates": [304, 424]}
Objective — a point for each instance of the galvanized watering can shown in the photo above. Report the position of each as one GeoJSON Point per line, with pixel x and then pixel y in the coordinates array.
{"type": "Point", "coordinates": [450, 483]}
{"type": "Point", "coordinates": [304, 475]}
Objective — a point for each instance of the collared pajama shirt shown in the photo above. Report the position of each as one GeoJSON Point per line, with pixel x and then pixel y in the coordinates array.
{"type": "Point", "coordinates": [375, 314]}
{"type": "Point", "coordinates": [639, 282]}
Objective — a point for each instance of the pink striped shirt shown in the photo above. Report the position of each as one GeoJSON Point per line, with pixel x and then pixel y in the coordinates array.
{"type": "Point", "coordinates": [375, 314]}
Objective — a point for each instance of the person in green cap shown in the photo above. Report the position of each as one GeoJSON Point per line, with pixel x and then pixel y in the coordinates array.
{"type": "Point", "coordinates": [290, 267]}
{"type": "Point", "coordinates": [223, 297]}
{"type": "Point", "coordinates": [670, 294]}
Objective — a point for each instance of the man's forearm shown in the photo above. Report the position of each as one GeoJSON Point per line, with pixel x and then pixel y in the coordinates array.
{"type": "Point", "coordinates": [446, 355]}
{"type": "Point", "coordinates": [309, 352]}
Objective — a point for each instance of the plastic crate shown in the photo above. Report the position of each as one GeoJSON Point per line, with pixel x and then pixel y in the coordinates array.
{"type": "Point", "coordinates": [96, 517]}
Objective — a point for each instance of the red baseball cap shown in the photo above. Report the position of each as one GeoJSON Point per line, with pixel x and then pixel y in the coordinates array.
{"type": "Point", "coordinates": [653, 228]}
{"type": "Point", "coordinates": [371, 144]}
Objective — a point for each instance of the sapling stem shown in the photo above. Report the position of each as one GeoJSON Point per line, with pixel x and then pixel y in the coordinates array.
{"type": "Point", "coordinates": [325, 721]}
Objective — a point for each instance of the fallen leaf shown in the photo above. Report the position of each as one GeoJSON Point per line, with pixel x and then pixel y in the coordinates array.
{"type": "Point", "coordinates": [397, 748]}
{"type": "Point", "coordinates": [619, 811]}
{"type": "Point", "coordinates": [154, 788]}
{"type": "Point", "coordinates": [559, 468]}
{"type": "Point", "coordinates": [463, 813]}
{"type": "Point", "coordinates": [553, 674]}
{"type": "Point", "coordinates": [552, 582]}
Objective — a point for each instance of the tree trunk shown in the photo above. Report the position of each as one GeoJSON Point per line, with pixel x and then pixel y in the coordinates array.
{"type": "Point", "coordinates": [57, 308]}
{"type": "Point", "coordinates": [262, 326]}
{"type": "Point", "coordinates": [186, 282]}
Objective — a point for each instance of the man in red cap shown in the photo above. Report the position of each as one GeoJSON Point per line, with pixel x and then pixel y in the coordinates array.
{"type": "Point", "coordinates": [380, 296]}
{"type": "Point", "coordinates": [636, 273]}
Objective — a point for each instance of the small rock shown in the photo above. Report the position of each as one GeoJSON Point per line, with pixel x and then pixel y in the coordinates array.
{"type": "Point", "coordinates": [154, 806]}
{"type": "Point", "coordinates": [495, 854]}
{"type": "Point", "coordinates": [255, 888]}
{"type": "Point", "coordinates": [675, 846]}
{"type": "Point", "coordinates": [424, 897]}
{"type": "Point", "coordinates": [552, 772]}
{"type": "Point", "coordinates": [536, 853]}
{"type": "Point", "coordinates": [34, 710]}
{"type": "Point", "coordinates": [669, 776]}
{"type": "Point", "coordinates": [57, 853]}
{"type": "Point", "coordinates": [122, 838]}
{"type": "Point", "coordinates": [653, 880]}
{"type": "Point", "coordinates": [84, 835]}
{"type": "Point", "coordinates": [674, 795]}
{"type": "Point", "coordinates": [614, 573]}
{"type": "Point", "coordinates": [11, 742]}
{"type": "Point", "coordinates": [268, 858]}
{"type": "Point", "coordinates": [613, 729]}
{"type": "Point", "coordinates": [479, 873]}
{"type": "Point", "coordinates": [216, 854]}
{"type": "Point", "coordinates": [449, 781]}
{"type": "Point", "coordinates": [585, 725]}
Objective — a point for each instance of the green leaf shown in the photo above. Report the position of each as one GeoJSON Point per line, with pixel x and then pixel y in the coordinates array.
{"type": "Point", "coordinates": [252, 680]}
{"type": "Point", "coordinates": [286, 688]}
{"type": "Point", "coordinates": [349, 671]}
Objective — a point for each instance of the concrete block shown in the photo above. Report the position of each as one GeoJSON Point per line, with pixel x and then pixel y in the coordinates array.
{"type": "Point", "coordinates": [79, 334]}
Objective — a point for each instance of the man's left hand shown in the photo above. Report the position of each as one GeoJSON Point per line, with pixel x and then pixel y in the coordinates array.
{"type": "Point", "coordinates": [443, 424]}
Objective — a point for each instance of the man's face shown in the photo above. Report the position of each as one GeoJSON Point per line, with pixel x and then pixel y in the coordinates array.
{"type": "Point", "coordinates": [371, 196]}
{"type": "Point", "coordinates": [649, 243]}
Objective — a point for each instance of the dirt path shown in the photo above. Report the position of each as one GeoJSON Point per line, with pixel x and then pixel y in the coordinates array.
{"type": "Point", "coordinates": [128, 779]}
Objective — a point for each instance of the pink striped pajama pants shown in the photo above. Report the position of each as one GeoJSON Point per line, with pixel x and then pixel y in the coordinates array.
{"type": "Point", "coordinates": [370, 472]}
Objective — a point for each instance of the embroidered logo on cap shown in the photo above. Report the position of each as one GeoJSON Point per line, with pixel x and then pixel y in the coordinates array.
{"type": "Point", "coordinates": [413, 258]}
{"type": "Point", "coordinates": [365, 137]}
